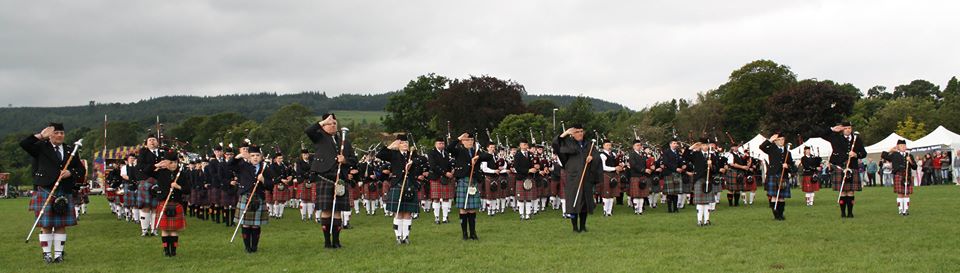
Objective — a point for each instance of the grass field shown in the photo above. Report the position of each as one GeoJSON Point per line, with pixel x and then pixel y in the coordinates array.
{"type": "Point", "coordinates": [742, 239]}
{"type": "Point", "coordinates": [357, 116]}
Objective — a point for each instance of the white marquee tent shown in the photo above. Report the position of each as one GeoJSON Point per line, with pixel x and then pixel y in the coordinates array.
{"type": "Point", "coordinates": [886, 144]}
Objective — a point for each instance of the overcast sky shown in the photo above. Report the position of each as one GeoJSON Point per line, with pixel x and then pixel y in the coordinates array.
{"type": "Point", "coordinates": [55, 53]}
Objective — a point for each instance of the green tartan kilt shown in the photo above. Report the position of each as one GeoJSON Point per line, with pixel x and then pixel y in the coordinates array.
{"type": "Point", "coordinates": [256, 217]}
{"type": "Point", "coordinates": [473, 202]}
{"type": "Point", "coordinates": [671, 184]}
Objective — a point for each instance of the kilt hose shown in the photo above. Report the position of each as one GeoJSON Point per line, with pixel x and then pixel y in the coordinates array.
{"type": "Point", "coordinates": [605, 189]}
{"type": "Point", "coordinates": [171, 217]}
{"type": "Point", "coordinates": [700, 197]}
{"type": "Point", "coordinates": [899, 187]}
{"type": "Point", "coordinates": [525, 195]}
{"type": "Point", "coordinates": [472, 201]}
{"type": "Point", "coordinates": [146, 200]}
{"type": "Point", "coordinates": [256, 216]}
{"type": "Point", "coordinates": [406, 203]}
{"type": "Point", "coordinates": [734, 181]}
{"type": "Point", "coordinates": [773, 185]}
{"type": "Point", "coordinates": [671, 184]}
{"type": "Point", "coordinates": [809, 184]}
{"type": "Point", "coordinates": [50, 218]}
{"type": "Point", "coordinates": [325, 188]}
{"type": "Point", "coordinates": [228, 197]}
{"type": "Point", "coordinates": [639, 187]}
{"type": "Point", "coordinates": [853, 182]}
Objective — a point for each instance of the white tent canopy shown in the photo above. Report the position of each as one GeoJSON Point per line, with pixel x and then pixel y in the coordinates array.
{"type": "Point", "coordinates": [754, 145]}
{"type": "Point", "coordinates": [818, 146]}
{"type": "Point", "coordinates": [887, 143]}
{"type": "Point", "coordinates": [939, 136]}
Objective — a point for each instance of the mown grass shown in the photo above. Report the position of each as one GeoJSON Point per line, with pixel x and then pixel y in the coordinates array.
{"type": "Point", "coordinates": [742, 239]}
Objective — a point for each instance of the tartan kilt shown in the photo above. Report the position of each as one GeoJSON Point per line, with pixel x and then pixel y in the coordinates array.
{"type": "Point", "coordinates": [563, 184]}
{"type": "Point", "coordinates": [252, 217]}
{"type": "Point", "coordinates": [898, 186]}
{"type": "Point", "coordinates": [555, 188]}
{"type": "Point", "coordinates": [406, 204]}
{"type": "Point", "coordinates": [49, 218]}
{"type": "Point", "coordinates": [853, 183]}
{"type": "Point", "coordinates": [353, 192]}
{"type": "Point", "coordinates": [145, 200]}
{"type": "Point", "coordinates": [523, 194]}
{"type": "Point", "coordinates": [281, 196]}
{"type": "Point", "coordinates": [734, 181]}
{"type": "Point", "coordinates": [268, 196]}
{"type": "Point", "coordinates": [365, 190]}
{"type": "Point", "coordinates": [111, 196]}
{"type": "Point", "coordinates": [308, 195]}
{"type": "Point", "coordinates": [544, 191]}
{"type": "Point", "coordinates": [511, 185]}
{"type": "Point", "coordinates": [700, 197]}
{"type": "Point", "coordinates": [325, 196]}
{"type": "Point", "coordinates": [639, 187]}
{"type": "Point", "coordinates": [750, 182]}
{"type": "Point", "coordinates": [129, 199]}
{"type": "Point", "coordinates": [171, 223]}
{"type": "Point", "coordinates": [213, 196]}
{"type": "Point", "coordinates": [198, 198]}
{"type": "Point", "coordinates": [385, 187]}
{"type": "Point", "coordinates": [671, 184]}
{"type": "Point", "coordinates": [440, 191]}
{"type": "Point", "coordinates": [228, 197]}
{"type": "Point", "coordinates": [473, 202]}
{"type": "Point", "coordinates": [485, 191]}
{"type": "Point", "coordinates": [809, 185]}
{"type": "Point", "coordinates": [687, 186]}
{"type": "Point", "coordinates": [604, 188]}
{"type": "Point", "coordinates": [771, 186]}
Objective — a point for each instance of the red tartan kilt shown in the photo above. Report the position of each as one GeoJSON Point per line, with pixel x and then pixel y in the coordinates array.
{"type": "Point", "coordinates": [899, 187]}
{"type": "Point", "coordinates": [111, 196]}
{"type": "Point", "coordinates": [120, 199]}
{"type": "Point", "coordinates": [604, 188]}
{"type": "Point", "coordinates": [171, 223]}
{"type": "Point", "coordinates": [751, 184]}
{"type": "Point", "coordinates": [369, 194]}
{"type": "Point", "coordinates": [269, 197]}
{"type": "Point", "coordinates": [526, 195]}
{"type": "Point", "coordinates": [809, 185]}
{"type": "Point", "coordinates": [309, 195]}
{"type": "Point", "coordinates": [385, 187]}
{"type": "Point", "coordinates": [487, 193]}
{"type": "Point", "coordinates": [636, 191]}
{"type": "Point", "coordinates": [440, 191]}
{"type": "Point", "coordinates": [563, 184]}
{"type": "Point", "coordinates": [280, 196]}
{"type": "Point", "coordinates": [354, 193]}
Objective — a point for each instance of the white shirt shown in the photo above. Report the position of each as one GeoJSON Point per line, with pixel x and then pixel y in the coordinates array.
{"type": "Point", "coordinates": [603, 156]}
{"type": "Point", "coordinates": [59, 149]}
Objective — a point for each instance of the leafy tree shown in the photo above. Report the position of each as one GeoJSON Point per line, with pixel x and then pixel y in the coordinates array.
{"type": "Point", "coordinates": [703, 118]}
{"type": "Point", "coordinates": [748, 88]}
{"type": "Point", "coordinates": [543, 107]}
{"type": "Point", "coordinates": [478, 102]}
{"type": "Point", "coordinates": [409, 110]}
{"type": "Point", "coordinates": [885, 120]}
{"type": "Point", "coordinates": [807, 107]}
{"type": "Point", "coordinates": [517, 126]}
{"type": "Point", "coordinates": [917, 89]}
{"type": "Point", "coordinates": [911, 129]}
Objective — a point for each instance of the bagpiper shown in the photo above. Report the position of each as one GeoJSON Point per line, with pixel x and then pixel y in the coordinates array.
{"type": "Point", "coordinates": [441, 180]}
{"type": "Point", "coordinates": [641, 168]}
{"type": "Point", "coordinates": [707, 165]}
{"type": "Point", "coordinates": [903, 164]}
{"type": "Point", "coordinates": [147, 159]}
{"type": "Point", "coordinates": [50, 155]}
{"type": "Point", "coordinates": [491, 176]}
{"type": "Point", "coordinates": [847, 152]}
{"type": "Point", "coordinates": [332, 158]}
{"type": "Point", "coordinates": [524, 175]}
{"type": "Point", "coordinates": [306, 193]}
{"type": "Point", "coordinates": [466, 155]}
{"type": "Point", "coordinates": [170, 214]}
{"type": "Point", "coordinates": [811, 170]}
{"type": "Point", "coordinates": [609, 186]}
{"type": "Point", "coordinates": [402, 197]}
{"type": "Point", "coordinates": [576, 156]}
{"type": "Point", "coordinates": [780, 165]}
{"type": "Point", "coordinates": [281, 184]}
{"type": "Point", "coordinates": [738, 169]}
{"type": "Point", "coordinates": [673, 166]}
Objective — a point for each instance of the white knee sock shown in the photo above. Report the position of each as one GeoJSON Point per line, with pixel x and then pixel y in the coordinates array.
{"type": "Point", "coordinates": [446, 208]}
{"type": "Point", "coordinates": [407, 223]}
{"type": "Point", "coordinates": [706, 215]}
{"type": "Point", "coordinates": [144, 222]}
{"type": "Point", "coordinates": [303, 211]}
{"type": "Point", "coordinates": [59, 240]}
{"type": "Point", "coordinates": [700, 210]}
{"type": "Point", "coordinates": [906, 204]}
{"type": "Point", "coordinates": [436, 210]}
{"type": "Point", "coordinates": [46, 243]}
{"type": "Point", "coordinates": [397, 224]}
{"type": "Point", "coordinates": [346, 218]}
{"type": "Point", "coordinates": [563, 205]}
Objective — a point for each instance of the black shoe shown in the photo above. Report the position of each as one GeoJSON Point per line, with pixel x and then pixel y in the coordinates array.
{"type": "Point", "coordinates": [465, 237]}
{"type": "Point", "coordinates": [474, 237]}
{"type": "Point", "coordinates": [47, 258]}
{"type": "Point", "coordinates": [58, 259]}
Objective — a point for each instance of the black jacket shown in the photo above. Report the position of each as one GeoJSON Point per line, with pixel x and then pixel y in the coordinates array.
{"type": "Point", "coordinates": [326, 148]}
{"type": "Point", "coordinates": [841, 146]}
{"type": "Point", "coordinates": [775, 156]}
{"type": "Point", "coordinates": [46, 164]}
{"type": "Point", "coordinates": [440, 164]}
